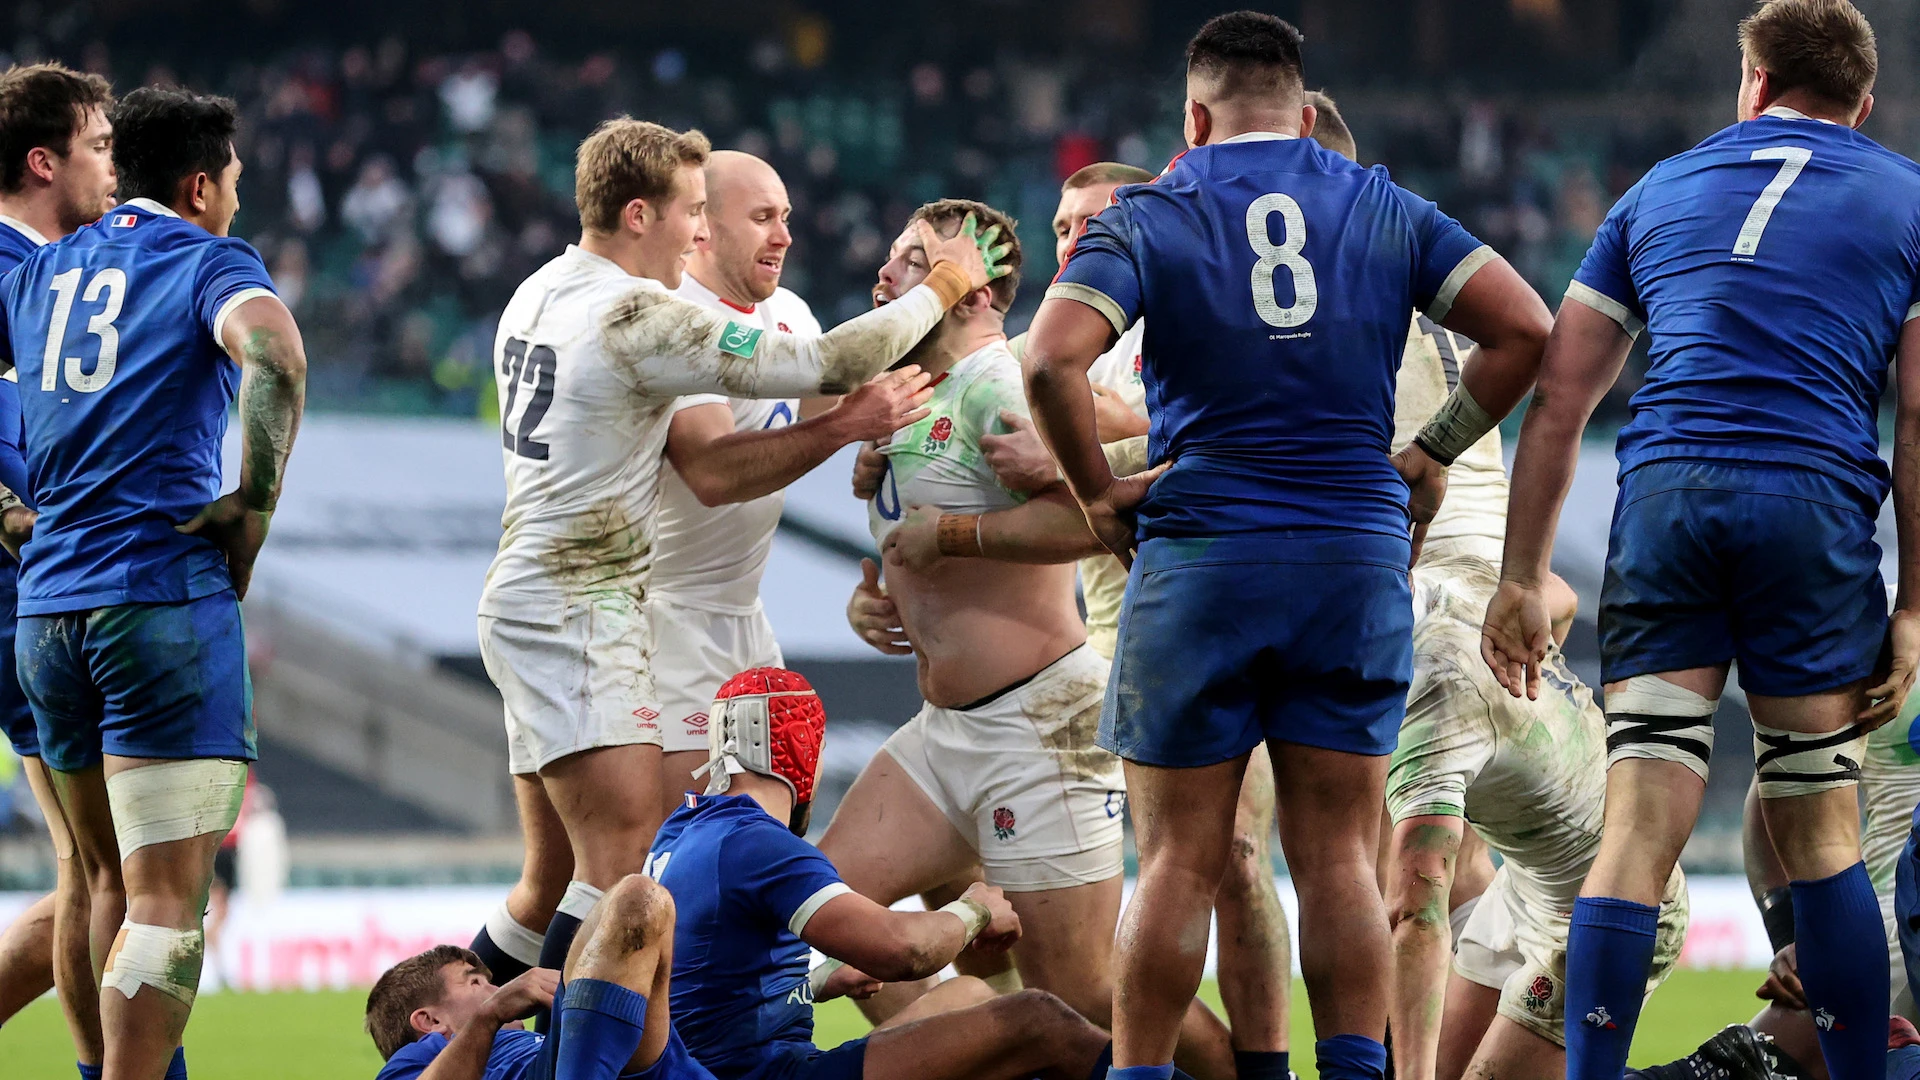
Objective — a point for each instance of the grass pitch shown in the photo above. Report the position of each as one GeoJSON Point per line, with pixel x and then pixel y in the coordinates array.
{"type": "Point", "coordinates": [318, 1036]}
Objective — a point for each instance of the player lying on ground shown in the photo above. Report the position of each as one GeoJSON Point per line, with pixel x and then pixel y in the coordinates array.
{"type": "Point", "coordinates": [56, 177]}
{"type": "Point", "coordinates": [1275, 548]}
{"type": "Point", "coordinates": [999, 769]}
{"type": "Point", "coordinates": [593, 351]}
{"type": "Point", "coordinates": [705, 583]}
{"type": "Point", "coordinates": [132, 649]}
{"type": "Point", "coordinates": [752, 896]}
{"type": "Point", "coordinates": [1777, 265]}
{"type": "Point", "coordinates": [1528, 775]}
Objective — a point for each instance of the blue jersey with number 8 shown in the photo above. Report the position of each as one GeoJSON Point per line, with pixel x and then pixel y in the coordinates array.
{"type": "Point", "coordinates": [1775, 263]}
{"type": "Point", "coordinates": [1276, 279]}
{"type": "Point", "coordinates": [124, 391]}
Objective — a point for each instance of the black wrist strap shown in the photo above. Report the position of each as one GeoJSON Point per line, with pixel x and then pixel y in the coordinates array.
{"type": "Point", "coordinates": [1776, 911]}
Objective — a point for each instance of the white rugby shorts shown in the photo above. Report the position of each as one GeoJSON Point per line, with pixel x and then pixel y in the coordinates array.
{"type": "Point", "coordinates": [1515, 941]}
{"type": "Point", "coordinates": [695, 651]}
{"type": "Point", "coordinates": [577, 684]}
{"type": "Point", "coordinates": [1022, 779]}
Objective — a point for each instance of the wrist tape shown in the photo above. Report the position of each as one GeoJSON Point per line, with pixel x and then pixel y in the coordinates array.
{"type": "Point", "coordinates": [949, 282]}
{"type": "Point", "coordinates": [1459, 424]}
{"type": "Point", "coordinates": [958, 535]}
{"type": "Point", "coordinates": [973, 914]}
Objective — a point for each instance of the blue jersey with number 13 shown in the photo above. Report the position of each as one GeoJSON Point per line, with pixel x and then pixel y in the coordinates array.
{"type": "Point", "coordinates": [124, 391]}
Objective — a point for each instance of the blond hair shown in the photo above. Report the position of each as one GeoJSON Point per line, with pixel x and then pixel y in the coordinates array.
{"type": "Point", "coordinates": [627, 159]}
{"type": "Point", "coordinates": [945, 215]}
{"type": "Point", "coordinates": [1822, 47]}
{"type": "Point", "coordinates": [1106, 172]}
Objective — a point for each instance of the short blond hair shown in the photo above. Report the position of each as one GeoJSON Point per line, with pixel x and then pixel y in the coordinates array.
{"type": "Point", "coordinates": [1823, 47]}
{"type": "Point", "coordinates": [627, 159]}
{"type": "Point", "coordinates": [1106, 172]}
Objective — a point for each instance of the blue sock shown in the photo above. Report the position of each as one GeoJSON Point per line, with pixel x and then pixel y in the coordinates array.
{"type": "Point", "coordinates": [1260, 1064]}
{"type": "Point", "coordinates": [89, 1072]}
{"type": "Point", "coordinates": [1102, 1063]}
{"type": "Point", "coordinates": [1141, 1072]}
{"type": "Point", "coordinates": [600, 1026]}
{"type": "Point", "coordinates": [1609, 956]}
{"type": "Point", "coordinates": [500, 964]}
{"type": "Point", "coordinates": [1843, 947]}
{"type": "Point", "coordinates": [1350, 1057]}
{"type": "Point", "coordinates": [553, 953]}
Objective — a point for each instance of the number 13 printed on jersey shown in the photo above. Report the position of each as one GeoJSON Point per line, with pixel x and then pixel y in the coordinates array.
{"type": "Point", "coordinates": [110, 286]}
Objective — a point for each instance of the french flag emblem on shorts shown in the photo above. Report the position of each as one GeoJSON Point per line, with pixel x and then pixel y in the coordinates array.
{"type": "Point", "coordinates": [124, 221]}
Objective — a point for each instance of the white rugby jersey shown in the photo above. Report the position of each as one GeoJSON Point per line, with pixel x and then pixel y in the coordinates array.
{"type": "Point", "coordinates": [1475, 508]}
{"type": "Point", "coordinates": [938, 461]}
{"type": "Point", "coordinates": [712, 557]}
{"type": "Point", "coordinates": [589, 360]}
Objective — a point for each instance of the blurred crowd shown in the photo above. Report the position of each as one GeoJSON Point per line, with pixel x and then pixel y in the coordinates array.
{"type": "Point", "coordinates": [399, 198]}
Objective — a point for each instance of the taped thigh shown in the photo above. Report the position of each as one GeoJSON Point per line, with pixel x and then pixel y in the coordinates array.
{"type": "Point", "coordinates": [1653, 719]}
{"type": "Point", "coordinates": [175, 800]}
{"type": "Point", "coordinates": [1793, 763]}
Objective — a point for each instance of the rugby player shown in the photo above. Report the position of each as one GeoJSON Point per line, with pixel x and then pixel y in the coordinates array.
{"type": "Point", "coordinates": [1752, 459]}
{"type": "Point", "coordinates": [705, 597]}
{"type": "Point", "coordinates": [593, 350]}
{"type": "Point", "coordinates": [56, 175]}
{"type": "Point", "coordinates": [752, 896]}
{"type": "Point", "coordinates": [131, 338]}
{"type": "Point", "coordinates": [1270, 603]}
{"type": "Point", "coordinates": [999, 769]}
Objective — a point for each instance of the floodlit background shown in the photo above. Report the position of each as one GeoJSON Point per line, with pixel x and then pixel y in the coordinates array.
{"type": "Point", "coordinates": [408, 163]}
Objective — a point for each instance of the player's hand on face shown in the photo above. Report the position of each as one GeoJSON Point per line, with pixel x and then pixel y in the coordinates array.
{"type": "Point", "coordinates": [868, 468]}
{"type": "Point", "coordinates": [1903, 637]}
{"type": "Point", "coordinates": [1426, 483]}
{"type": "Point", "coordinates": [1783, 981]}
{"type": "Point", "coordinates": [970, 249]}
{"type": "Point", "coordinates": [1003, 923]}
{"type": "Point", "coordinates": [1111, 516]}
{"type": "Point", "coordinates": [1019, 460]}
{"type": "Point", "coordinates": [915, 542]}
{"type": "Point", "coordinates": [872, 615]}
{"type": "Point", "coordinates": [1515, 637]}
{"type": "Point", "coordinates": [16, 528]}
{"type": "Point", "coordinates": [236, 529]}
{"type": "Point", "coordinates": [525, 995]}
{"type": "Point", "coordinates": [849, 982]}
{"type": "Point", "coordinates": [888, 402]}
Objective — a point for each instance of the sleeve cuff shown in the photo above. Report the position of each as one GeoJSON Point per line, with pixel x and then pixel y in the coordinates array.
{"type": "Point", "coordinates": [1589, 296]}
{"type": "Point", "coordinates": [692, 400]}
{"type": "Point", "coordinates": [1912, 314]}
{"type": "Point", "coordinates": [233, 302]}
{"type": "Point", "coordinates": [1093, 298]}
{"type": "Point", "coordinates": [1429, 807]}
{"type": "Point", "coordinates": [812, 905]}
{"type": "Point", "coordinates": [1449, 290]}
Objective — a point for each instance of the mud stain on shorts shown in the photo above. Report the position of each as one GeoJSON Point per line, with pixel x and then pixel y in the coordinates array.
{"type": "Point", "coordinates": [1066, 718]}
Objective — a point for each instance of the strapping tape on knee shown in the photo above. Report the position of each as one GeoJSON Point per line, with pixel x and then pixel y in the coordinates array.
{"type": "Point", "coordinates": [166, 959]}
{"type": "Point", "coordinates": [1652, 719]}
{"type": "Point", "coordinates": [1793, 763]}
{"type": "Point", "coordinates": [175, 800]}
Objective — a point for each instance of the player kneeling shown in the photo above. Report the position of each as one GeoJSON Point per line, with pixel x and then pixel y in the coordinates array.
{"type": "Point", "coordinates": [753, 896]}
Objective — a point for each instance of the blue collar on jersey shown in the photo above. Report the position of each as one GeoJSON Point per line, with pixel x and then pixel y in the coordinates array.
{"type": "Point", "coordinates": [24, 229]}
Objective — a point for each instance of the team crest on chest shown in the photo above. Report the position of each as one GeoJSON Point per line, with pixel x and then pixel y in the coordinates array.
{"type": "Point", "coordinates": [937, 435]}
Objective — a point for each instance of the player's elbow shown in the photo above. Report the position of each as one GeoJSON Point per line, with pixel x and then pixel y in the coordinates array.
{"type": "Point", "coordinates": [900, 955]}
{"type": "Point", "coordinates": [710, 489]}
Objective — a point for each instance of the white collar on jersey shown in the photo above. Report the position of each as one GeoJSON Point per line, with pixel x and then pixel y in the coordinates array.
{"type": "Point", "coordinates": [1256, 136]}
{"type": "Point", "coordinates": [1785, 112]}
{"type": "Point", "coordinates": [150, 206]}
{"type": "Point", "coordinates": [24, 229]}
{"type": "Point", "coordinates": [575, 251]}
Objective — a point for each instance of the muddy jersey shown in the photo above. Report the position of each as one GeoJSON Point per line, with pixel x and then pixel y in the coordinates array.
{"type": "Point", "coordinates": [712, 557]}
{"type": "Point", "coordinates": [938, 461]}
{"type": "Point", "coordinates": [1475, 509]}
{"type": "Point", "coordinates": [1529, 775]}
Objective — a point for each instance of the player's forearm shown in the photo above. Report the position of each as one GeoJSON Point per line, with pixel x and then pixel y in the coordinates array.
{"type": "Point", "coordinates": [910, 945]}
{"type": "Point", "coordinates": [1062, 403]}
{"type": "Point", "coordinates": [465, 1057]}
{"type": "Point", "coordinates": [748, 464]}
{"type": "Point", "coordinates": [1906, 499]}
{"type": "Point", "coordinates": [673, 348]}
{"type": "Point", "coordinates": [1047, 529]}
{"type": "Point", "coordinates": [273, 396]}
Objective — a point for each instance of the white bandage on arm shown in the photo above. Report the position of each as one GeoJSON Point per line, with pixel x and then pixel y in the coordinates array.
{"type": "Point", "coordinates": [1652, 719]}
{"type": "Point", "coordinates": [973, 915]}
{"type": "Point", "coordinates": [669, 347]}
{"type": "Point", "coordinates": [1453, 430]}
{"type": "Point", "coordinates": [175, 800]}
{"type": "Point", "coordinates": [818, 976]}
{"type": "Point", "coordinates": [166, 959]}
{"type": "Point", "coordinates": [1790, 763]}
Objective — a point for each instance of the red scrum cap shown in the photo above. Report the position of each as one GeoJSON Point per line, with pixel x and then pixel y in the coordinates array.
{"type": "Point", "coordinates": [767, 721]}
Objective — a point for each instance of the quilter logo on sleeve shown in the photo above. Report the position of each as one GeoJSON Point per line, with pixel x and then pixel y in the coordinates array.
{"type": "Point", "coordinates": [125, 221]}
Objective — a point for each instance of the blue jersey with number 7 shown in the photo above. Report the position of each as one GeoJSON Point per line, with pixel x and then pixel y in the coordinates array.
{"type": "Point", "coordinates": [124, 391]}
{"type": "Point", "coordinates": [1775, 264]}
{"type": "Point", "coordinates": [1276, 279]}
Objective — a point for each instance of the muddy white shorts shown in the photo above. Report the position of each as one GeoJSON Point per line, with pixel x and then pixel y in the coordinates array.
{"type": "Point", "coordinates": [578, 683]}
{"type": "Point", "coordinates": [1516, 942]}
{"type": "Point", "coordinates": [1021, 778]}
{"type": "Point", "coordinates": [694, 652]}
